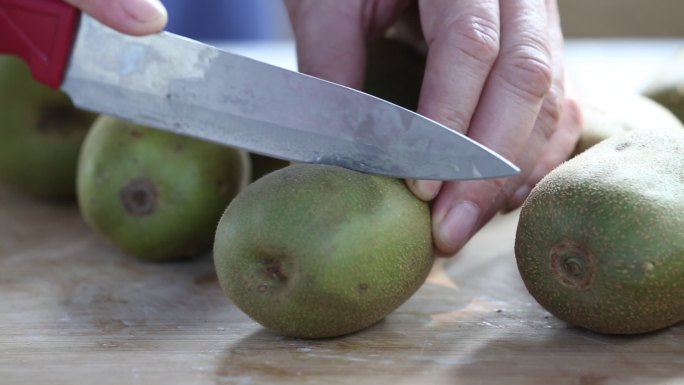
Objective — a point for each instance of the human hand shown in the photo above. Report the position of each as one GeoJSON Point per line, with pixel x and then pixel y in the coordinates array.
{"type": "Point", "coordinates": [494, 71]}
{"type": "Point", "coordinates": [134, 17]}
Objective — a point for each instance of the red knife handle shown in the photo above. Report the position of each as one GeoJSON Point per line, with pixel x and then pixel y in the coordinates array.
{"type": "Point", "coordinates": [41, 32]}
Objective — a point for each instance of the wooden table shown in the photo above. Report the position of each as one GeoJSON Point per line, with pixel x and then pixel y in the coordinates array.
{"type": "Point", "coordinates": [76, 310]}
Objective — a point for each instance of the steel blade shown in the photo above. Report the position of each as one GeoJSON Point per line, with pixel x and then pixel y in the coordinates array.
{"type": "Point", "coordinates": [177, 84]}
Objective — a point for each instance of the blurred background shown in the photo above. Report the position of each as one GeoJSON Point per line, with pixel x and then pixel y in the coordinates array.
{"type": "Point", "coordinates": [221, 20]}
{"type": "Point", "coordinates": [211, 20]}
{"type": "Point", "coordinates": [612, 46]}
{"type": "Point", "coordinates": [622, 18]}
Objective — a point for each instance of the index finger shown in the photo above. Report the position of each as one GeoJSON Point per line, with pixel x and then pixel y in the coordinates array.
{"type": "Point", "coordinates": [463, 45]}
{"type": "Point", "coordinates": [463, 41]}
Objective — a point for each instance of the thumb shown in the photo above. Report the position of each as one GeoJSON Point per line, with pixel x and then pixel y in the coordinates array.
{"type": "Point", "coordinates": [134, 17]}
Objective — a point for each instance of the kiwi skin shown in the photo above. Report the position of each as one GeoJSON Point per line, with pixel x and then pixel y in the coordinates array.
{"type": "Point", "coordinates": [605, 117]}
{"type": "Point", "coordinates": [41, 133]}
{"type": "Point", "coordinates": [316, 251]}
{"type": "Point", "coordinates": [600, 243]}
{"type": "Point", "coordinates": [156, 195]}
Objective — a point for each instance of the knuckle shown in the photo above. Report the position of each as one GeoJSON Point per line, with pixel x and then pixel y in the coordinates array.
{"type": "Point", "coordinates": [505, 198]}
{"type": "Point", "coordinates": [528, 69]}
{"type": "Point", "coordinates": [476, 37]}
{"type": "Point", "coordinates": [496, 192]}
{"type": "Point", "coordinates": [483, 193]}
{"type": "Point", "coordinates": [452, 116]}
{"type": "Point", "coordinates": [503, 147]}
{"type": "Point", "coordinates": [550, 113]}
{"type": "Point", "coordinates": [499, 184]}
{"type": "Point", "coordinates": [494, 187]}
{"type": "Point", "coordinates": [571, 119]}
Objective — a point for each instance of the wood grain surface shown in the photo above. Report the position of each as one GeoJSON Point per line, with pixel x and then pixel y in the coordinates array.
{"type": "Point", "coordinates": [76, 310]}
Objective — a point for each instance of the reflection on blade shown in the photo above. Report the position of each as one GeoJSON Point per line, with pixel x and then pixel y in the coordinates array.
{"type": "Point", "coordinates": [173, 83]}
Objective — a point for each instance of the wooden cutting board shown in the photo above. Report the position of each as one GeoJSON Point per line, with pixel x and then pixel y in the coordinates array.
{"type": "Point", "coordinates": [76, 310]}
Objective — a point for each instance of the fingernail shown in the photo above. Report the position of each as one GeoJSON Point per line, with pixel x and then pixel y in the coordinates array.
{"type": "Point", "coordinates": [144, 11]}
{"type": "Point", "coordinates": [426, 189]}
{"type": "Point", "coordinates": [458, 225]}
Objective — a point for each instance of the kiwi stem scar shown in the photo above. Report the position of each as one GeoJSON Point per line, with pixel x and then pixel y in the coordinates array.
{"type": "Point", "coordinates": [139, 197]}
{"type": "Point", "coordinates": [573, 265]}
{"type": "Point", "coordinates": [274, 269]}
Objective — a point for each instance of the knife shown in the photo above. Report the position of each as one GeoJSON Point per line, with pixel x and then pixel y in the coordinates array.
{"type": "Point", "coordinates": [186, 87]}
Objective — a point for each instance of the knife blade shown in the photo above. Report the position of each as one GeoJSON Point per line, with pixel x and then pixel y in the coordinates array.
{"type": "Point", "coordinates": [169, 82]}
